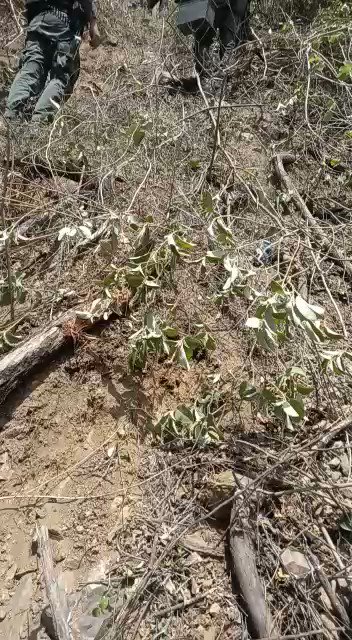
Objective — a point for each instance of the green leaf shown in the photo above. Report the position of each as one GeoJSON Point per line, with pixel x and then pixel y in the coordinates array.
{"type": "Point", "coordinates": [104, 603]}
{"type": "Point", "coordinates": [170, 332]}
{"type": "Point", "coordinates": [276, 287]}
{"type": "Point", "coordinates": [184, 244]}
{"type": "Point", "coordinates": [152, 284]}
{"type": "Point", "coordinates": [215, 256]}
{"type": "Point", "coordinates": [181, 357]}
{"type": "Point", "coordinates": [289, 409]}
{"type": "Point", "coordinates": [305, 310]}
{"type": "Point", "coordinates": [298, 406]}
{"type": "Point", "coordinates": [253, 323]}
{"type": "Point", "coordinates": [332, 335]}
{"type": "Point", "coordinates": [194, 164]}
{"type": "Point", "coordinates": [207, 202]}
{"type": "Point", "coordinates": [184, 416]}
{"type": "Point", "coordinates": [345, 72]}
{"type": "Point", "coordinates": [247, 391]}
{"type": "Point", "coordinates": [266, 341]}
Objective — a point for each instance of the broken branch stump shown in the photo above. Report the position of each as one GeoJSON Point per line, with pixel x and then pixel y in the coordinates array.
{"type": "Point", "coordinates": [16, 365]}
{"type": "Point", "coordinates": [55, 594]}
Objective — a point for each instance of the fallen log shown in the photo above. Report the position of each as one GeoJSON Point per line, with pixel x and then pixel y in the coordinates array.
{"type": "Point", "coordinates": [246, 578]}
{"type": "Point", "coordinates": [56, 595]}
{"type": "Point", "coordinates": [16, 365]}
{"type": "Point", "coordinates": [279, 160]}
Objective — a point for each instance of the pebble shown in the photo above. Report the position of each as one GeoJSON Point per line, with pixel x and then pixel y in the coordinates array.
{"type": "Point", "coordinates": [336, 475]}
{"type": "Point", "coordinates": [345, 465]}
{"type": "Point", "coordinates": [2, 614]}
{"type": "Point", "coordinates": [334, 463]}
{"type": "Point", "coordinates": [80, 529]}
{"type": "Point", "coordinates": [215, 609]}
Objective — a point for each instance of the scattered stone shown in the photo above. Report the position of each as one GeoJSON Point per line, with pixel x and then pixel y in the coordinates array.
{"type": "Point", "coordinates": [20, 603]}
{"type": "Point", "coordinates": [335, 476]}
{"type": "Point", "coordinates": [55, 534]}
{"type": "Point", "coordinates": [345, 465]}
{"type": "Point", "coordinates": [194, 587]}
{"type": "Point", "coordinates": [170, 587]}
{"type": "Point", "coordinates": [80, 529]}
{"type": "Point", "coordinates": [11, 572]}
{"type": "Point", "coordinates": [40, 514]}
{"type": "Point", "coordinates": [193, 558]}
{"type": "Point", "coordinates": [295, 563]}
{"type": "Point", "coordinates": [111, 451]}
{"type": "Point", "coordinates": [5, 467]}
{"type": "Point", "coordinates": [3, 614]}
{"type": "Point", "coordinates": [215, 609]}
{"type": "Point", "coordinates": [220, 487]}
{"type": "Point", "coordinates": [334, 463]}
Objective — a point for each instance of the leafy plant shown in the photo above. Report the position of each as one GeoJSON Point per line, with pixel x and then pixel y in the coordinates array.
{"type": "Point", "coordinates": [192, 424]}
{"type": "Point", "coordinates": [18, 291]}
{"type": "Point", "coordinates": [338, 362]}
{"type": "Point", "coordinates": [159, 339]}
{"type": "Point", "coordinates": [284, 398]}
{"type": "Point", "coordinates": [150, 264]}
{"type": "Point", "coordinates": [278, 315]}
{"type": "Point", "coordinates": [102, 607]}
{"type": "Point", "coordinates": [9, 340]}
{"type": "Point", "coordinates": [237, 279]}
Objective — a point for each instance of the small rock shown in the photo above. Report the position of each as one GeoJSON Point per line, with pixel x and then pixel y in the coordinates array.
{"type": "Point", "coordinates": [80, 529]}
{"type": "Point", "coordinates": [194, 587]}
{"type": "Point", "coordinates": [193, 558]}
{"type": "Point", "coordinates": [55, 534]}
{"type": "Point", "coordinates": [11, 572]}
{"type": "Point", "coordinates": [345, 465]}
{"type": "Point", "coordinates": [296, 563]}
{"type": "Point", "coordinates": [215, 609]}
{"type": "Point", "coordinates": [209, 634]}
{"type": "Point", "coordinates": [335, 476]}
{"type": "Point", "coordinates": [247, 136]}
{"type": "Point", "coordinates": [220, 487]}
{"type": "Point", "coordinates": [2, 614]}
{"type": "Point", "coordinates": [334, 463]}
{"type": "Point", "coordinates": [40, 514]}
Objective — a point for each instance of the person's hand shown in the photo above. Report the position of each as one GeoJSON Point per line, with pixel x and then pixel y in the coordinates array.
{"type": "Point", "coordinates": [94, 35]}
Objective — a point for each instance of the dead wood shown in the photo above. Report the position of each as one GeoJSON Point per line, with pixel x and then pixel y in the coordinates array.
{"type": "Point", "coordinates": [246, 577]}
{"type": "Point", "coordinates": [336, 603]}
{"type": "Point", "coordinates": [55, 594]}
{"type": "Point", "coordinates": [16, 365]}
{"type": "Point", "coordinates": [279, 160]}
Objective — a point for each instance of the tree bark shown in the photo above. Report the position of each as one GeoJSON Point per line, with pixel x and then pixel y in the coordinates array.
{"type": "Point", "coordinates": [56, 595]}
{"type": "Point", "coordinates": [247, 580]}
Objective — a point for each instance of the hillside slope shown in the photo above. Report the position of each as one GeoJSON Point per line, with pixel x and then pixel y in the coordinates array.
{"type": "Point", "coordinates": [190, 254]}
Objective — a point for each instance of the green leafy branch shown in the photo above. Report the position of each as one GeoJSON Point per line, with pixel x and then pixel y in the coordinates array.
{"type": "Point", "coordinates": [159, 339]}
{"type": "Point", "coordinates": [18, 290]}
{"type": "Point", "coordinates": [197, 423]}
{"type": "Point", "coordinates": [277, 316]}
{"type": "Point", "coordinates": [283, 398]}
{"type": "Point", "coordinates": [150, 264]}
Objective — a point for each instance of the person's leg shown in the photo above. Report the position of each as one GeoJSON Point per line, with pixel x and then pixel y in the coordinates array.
{"type": "Point", "coordinates": [232, 26]}
{"type": "Point", "coordinates": [63, 76]}
{"type": "Point", "coordinates": [203, 39]}
{"type": "Point", "coordinates": [30, 79]}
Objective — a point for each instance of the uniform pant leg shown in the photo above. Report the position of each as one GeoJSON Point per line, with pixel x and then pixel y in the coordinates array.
{"type": "Point", "coordinates": [232, 25]}
{"type": "Point", "coordinates": [203, 39]}
{"type": "Point", "coordinates": [30, 79]}
{"type": "Point", "coordinates": [63, 76]}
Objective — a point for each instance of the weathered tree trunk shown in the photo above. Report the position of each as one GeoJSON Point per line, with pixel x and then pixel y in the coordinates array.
{"type": "Point", "coordinates": [247, 580]}
{"type": "Point", "coordinates": [56, 595]}
{"type": "Point", "coordinates": [16, 365]}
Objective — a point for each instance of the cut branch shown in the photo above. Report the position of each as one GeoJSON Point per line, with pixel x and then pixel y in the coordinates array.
{"type": "Point", "coordinates": [56, 595]}
{"type": "Point", "coordinates": [319, 236]}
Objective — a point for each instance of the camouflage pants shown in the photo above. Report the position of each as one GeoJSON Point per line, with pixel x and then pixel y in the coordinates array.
{"type": "Point", "coordinates": [49, 69]}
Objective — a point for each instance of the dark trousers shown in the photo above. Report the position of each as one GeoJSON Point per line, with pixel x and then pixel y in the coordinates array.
{"type": "Point", "coordinates": [49, 68]}
{"type": "Point", "coordinates": [231, 18]}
